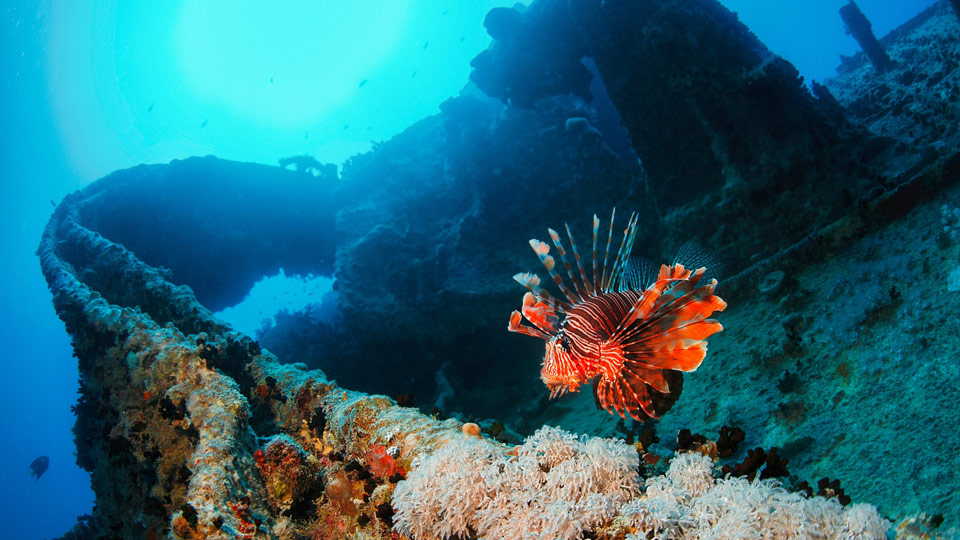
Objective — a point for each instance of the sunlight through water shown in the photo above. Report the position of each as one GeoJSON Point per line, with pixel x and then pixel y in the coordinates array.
{"type": "Point", "coordinates": [284, 67]}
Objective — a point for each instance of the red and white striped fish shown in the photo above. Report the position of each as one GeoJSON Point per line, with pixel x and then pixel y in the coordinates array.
{"type": "Point", "coordinates": [633, 343]}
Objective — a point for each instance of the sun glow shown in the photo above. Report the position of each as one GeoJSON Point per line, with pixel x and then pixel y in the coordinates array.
{"type": "Point", "coordinates": [147, 82]}
{"type": "Point", "coordinates": [284, 66]}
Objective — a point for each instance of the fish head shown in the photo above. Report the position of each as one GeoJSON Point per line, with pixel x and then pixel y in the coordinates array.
{"type": "Point", "coordinates": [559, 371]}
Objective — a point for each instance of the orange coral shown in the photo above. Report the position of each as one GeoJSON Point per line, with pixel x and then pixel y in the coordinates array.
{"type": "Point", "coordinates": [381, 463]}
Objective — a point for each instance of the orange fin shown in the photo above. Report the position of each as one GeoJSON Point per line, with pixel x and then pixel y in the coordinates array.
{"type": "Point", "coordinates": [671, 316]}
{"type": "Point", "coordinates": [629, 395]}
{"type": "Point", "coordinates": [532, 282]}
{"type": "Point", "coordinates": [663, 335]}
{"type": "Point", "coordinates": [540, 314]}
{"type": "Point", "coordinates": [515, 319]}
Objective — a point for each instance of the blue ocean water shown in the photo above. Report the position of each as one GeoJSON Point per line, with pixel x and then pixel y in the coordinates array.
{"type": "Point", "coordinates": [90, 87]}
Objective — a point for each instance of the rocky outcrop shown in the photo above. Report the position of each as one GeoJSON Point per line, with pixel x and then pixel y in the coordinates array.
{"type": "Point", "coordinates": [216, 225]}
{"type": "Point", "coordinates": [727, 133]}
{"type": "Point", "coordinates": [437, 222]}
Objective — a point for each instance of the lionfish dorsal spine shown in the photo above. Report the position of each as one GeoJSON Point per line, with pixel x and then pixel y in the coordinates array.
{"type": "Point", "coordinates": [596, 275]}
{"type": "Point", "coordinates": [587, 285]}
{"type": "Point", "coordinates": [629, 251]}
{"type": "Point", "coordinates": [542, 249]}
{"type": "Point", "coordinates": [603, 276]}
{"type": "Point", "coordinates": [544, 311]}
{"type": "Point", "coordinates": [612, 282]}
{"type": "Point", "coordinates": [581, 294]}
{"type": "Point", "coordinates": [532, 283]}
{"type": "Point", "coordinates": [623, 255]}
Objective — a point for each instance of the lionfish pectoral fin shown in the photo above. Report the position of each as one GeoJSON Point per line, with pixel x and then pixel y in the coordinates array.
{"type": "Point", "coordinates": [674, 271]}
{"type": "Point", "coordinates": [663, 335]}
{"type": "Point", "coordinates": [515, 326]}
{"type": "Point", "coordinates": [540, 313]}
{"type": "Point", "coordinates": [635, 373]}
{"type": "Point", "coordinates": [667, 328]}
{"type": "Point", "coordinates": [608, 395]}
{"type": "Point", "coordinates": [692, 255]}
{"type": "Point", "coordinates": [559, 390]}
{"type": "Point", "coordinates": [629, 395]}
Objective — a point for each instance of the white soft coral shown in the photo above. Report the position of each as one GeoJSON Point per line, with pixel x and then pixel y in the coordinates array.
{"type": "Point", "coordinates": [687, 502]}
{"type": "Point", "coordinates": [556, 486]}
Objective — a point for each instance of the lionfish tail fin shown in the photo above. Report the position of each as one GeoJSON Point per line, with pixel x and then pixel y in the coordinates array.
{"type": "Point", "coordinates": [639, 273]}
{"type": "Point", "coordinates": [693, 255]}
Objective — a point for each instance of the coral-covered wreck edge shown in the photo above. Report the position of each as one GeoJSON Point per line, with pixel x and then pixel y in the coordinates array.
{"type": "Point", "coordinates": [190, 430]}
{"type": "Point", "coordinates": [170, 397]}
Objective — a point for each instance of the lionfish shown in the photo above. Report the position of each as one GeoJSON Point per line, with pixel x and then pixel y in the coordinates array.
{"type": "Point", "coordinates": [633, 342]}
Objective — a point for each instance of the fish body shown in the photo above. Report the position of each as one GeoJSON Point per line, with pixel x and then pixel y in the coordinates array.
{"type": "Point", "coordinates": [633, 343]}
{"type": "Point", "coordinates": [39, 466]}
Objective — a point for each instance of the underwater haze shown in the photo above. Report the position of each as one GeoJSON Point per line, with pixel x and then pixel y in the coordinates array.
{"type": "Point", "coordinates": [97, 86]}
